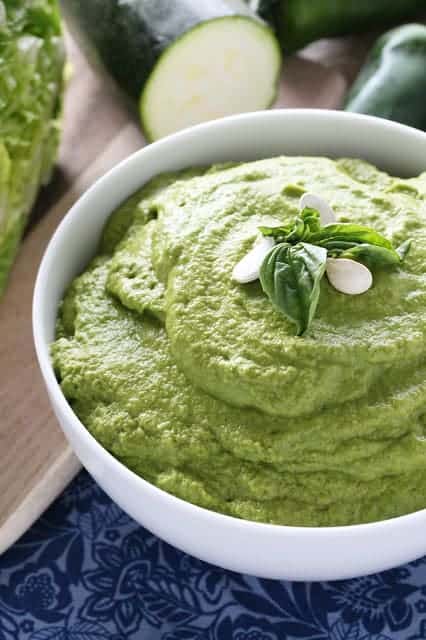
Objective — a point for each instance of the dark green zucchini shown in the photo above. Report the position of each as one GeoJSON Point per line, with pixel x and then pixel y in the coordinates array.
{"type": "Point", "coordinates": [299, 22]}
{"type": "Point", "coordinates": [184, 61]}
{"type": "Point", "coordinates": [392, 83]}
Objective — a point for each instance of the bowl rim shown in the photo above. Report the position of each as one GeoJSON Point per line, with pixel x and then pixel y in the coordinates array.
{"type": "Point", "coordinates": [42, 347]}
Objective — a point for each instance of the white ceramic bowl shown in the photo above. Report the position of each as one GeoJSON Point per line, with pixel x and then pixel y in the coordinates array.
{"type": "Point", "coordinates": [271, 551]}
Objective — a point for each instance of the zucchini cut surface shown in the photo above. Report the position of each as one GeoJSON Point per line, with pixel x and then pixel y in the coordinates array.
{"type": "Point", "coordinates": [221, 67]}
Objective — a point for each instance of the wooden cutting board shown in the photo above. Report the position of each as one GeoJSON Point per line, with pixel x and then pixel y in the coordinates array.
{"type": "Point", "coordinates": [36, 463]}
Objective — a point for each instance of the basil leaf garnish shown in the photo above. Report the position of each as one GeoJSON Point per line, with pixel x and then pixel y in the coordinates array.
{"type": "Point", "coordinates": [305, 224]}
{"type": "Point", "coordinates": [371, 255]}
{"type": "Point", "coordinates": [353, 241]}
{"type": "Point", "coordinates": [291, 272]}
{"type": "Point", "coordinates": [290, 276]}
{"type": "Point", "coordinates": [348, 232]}
{"type": "Point", "coordinates": [311, 219]}
{"type": "Point", "coordinates": [279, 233]}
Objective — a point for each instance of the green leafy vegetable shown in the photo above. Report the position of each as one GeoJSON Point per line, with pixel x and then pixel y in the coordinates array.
{"type": "Point", "coordinates": [31, 80]}
{"type": "Point", "coordinates": [279, 233]}
{"type": "Point", "coordinates": [291, 272]}
{"type": "Point", "coordinates": [312, 220]}
{"type": "Point", "coordinates": [305, 224]}
{"type": "Point", "coordinates": [349, 232]}
{"type": "Point", "coordinates": [371, 255]}
{"type": "Point", "coordinates": [342, 240]}
{"type": "Point", "coordinates": [356, 242]}
{"type": "Point", "coordinates": [290, 276]}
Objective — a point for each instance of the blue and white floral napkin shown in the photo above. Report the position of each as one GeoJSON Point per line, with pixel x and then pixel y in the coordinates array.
{"type": "Point", "coordinates": [86, 571]}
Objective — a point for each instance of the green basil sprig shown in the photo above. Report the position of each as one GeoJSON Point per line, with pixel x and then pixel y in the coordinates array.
{"type": "Point", "coordinates": [305, 225]}
{"type": "Point", "coordinates": [292, 271]}
{"type": "Point", "coordinates": [290, 276]}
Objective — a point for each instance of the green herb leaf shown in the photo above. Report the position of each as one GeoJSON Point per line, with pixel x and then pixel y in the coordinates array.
{"type": "Point", "coordinates": [347, 232]}
{"type": "Point", "coordinates": [335, 248]}
{"type": "Point", "coordinates": [372, 256]}
{"type": "Point", "coordinates": [347, 240]}
{"type": "Point", "coordinates": [279, 233]}
{"type": "Point", "coordinates": [291, 272]}
{"type": "Point", "coordinates": [290, 276]}
{"type": "Point", "coordinates": [312, 219]}
{"type": "Point", "coordinates": [305, 224]}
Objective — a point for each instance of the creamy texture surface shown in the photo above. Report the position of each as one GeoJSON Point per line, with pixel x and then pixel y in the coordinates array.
{"type": "Point", "coordinates": [197, 384]}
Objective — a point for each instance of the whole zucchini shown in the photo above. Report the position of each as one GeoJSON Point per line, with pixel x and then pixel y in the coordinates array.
{"type": "Point", "coordinates": [392, 83]}
{"type": "Point", "coordinates": [299, 22]}
{"type": "Point", "coordinates": [31, 79]}
{"type": "Point", "coordinates": [184, 61]}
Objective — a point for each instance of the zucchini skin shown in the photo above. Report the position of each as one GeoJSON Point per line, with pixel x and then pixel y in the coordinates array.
{"type": "Point", "coordinates": [392, 83]}
{"type": "Point", "coordinates": [300, 22]}
{"type": "Point", "coordinates": [127, 37]}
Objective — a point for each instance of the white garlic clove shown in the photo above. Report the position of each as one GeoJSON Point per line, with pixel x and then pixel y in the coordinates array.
{"type": "Point", "coordinates": [313, 201]}
{"type": "Point", "coordinates": [248, 268]}
{"type": "Point", "coordinates": [348, 276]}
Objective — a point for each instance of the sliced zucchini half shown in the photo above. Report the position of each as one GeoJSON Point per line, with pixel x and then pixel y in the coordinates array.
{"type": "Point", "coordinates": [220, 67]}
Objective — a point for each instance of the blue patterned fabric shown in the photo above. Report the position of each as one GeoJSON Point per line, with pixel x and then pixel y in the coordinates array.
{"type": "Point", "coordinates": [86, 571]}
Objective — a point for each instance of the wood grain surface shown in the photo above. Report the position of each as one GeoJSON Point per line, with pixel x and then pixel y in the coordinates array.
{"type": "Point", "coordinates": [35, 461]}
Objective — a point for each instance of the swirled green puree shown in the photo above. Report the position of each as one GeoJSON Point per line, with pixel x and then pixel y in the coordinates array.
{"type": "Point", "coordinates": [200, 386]}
